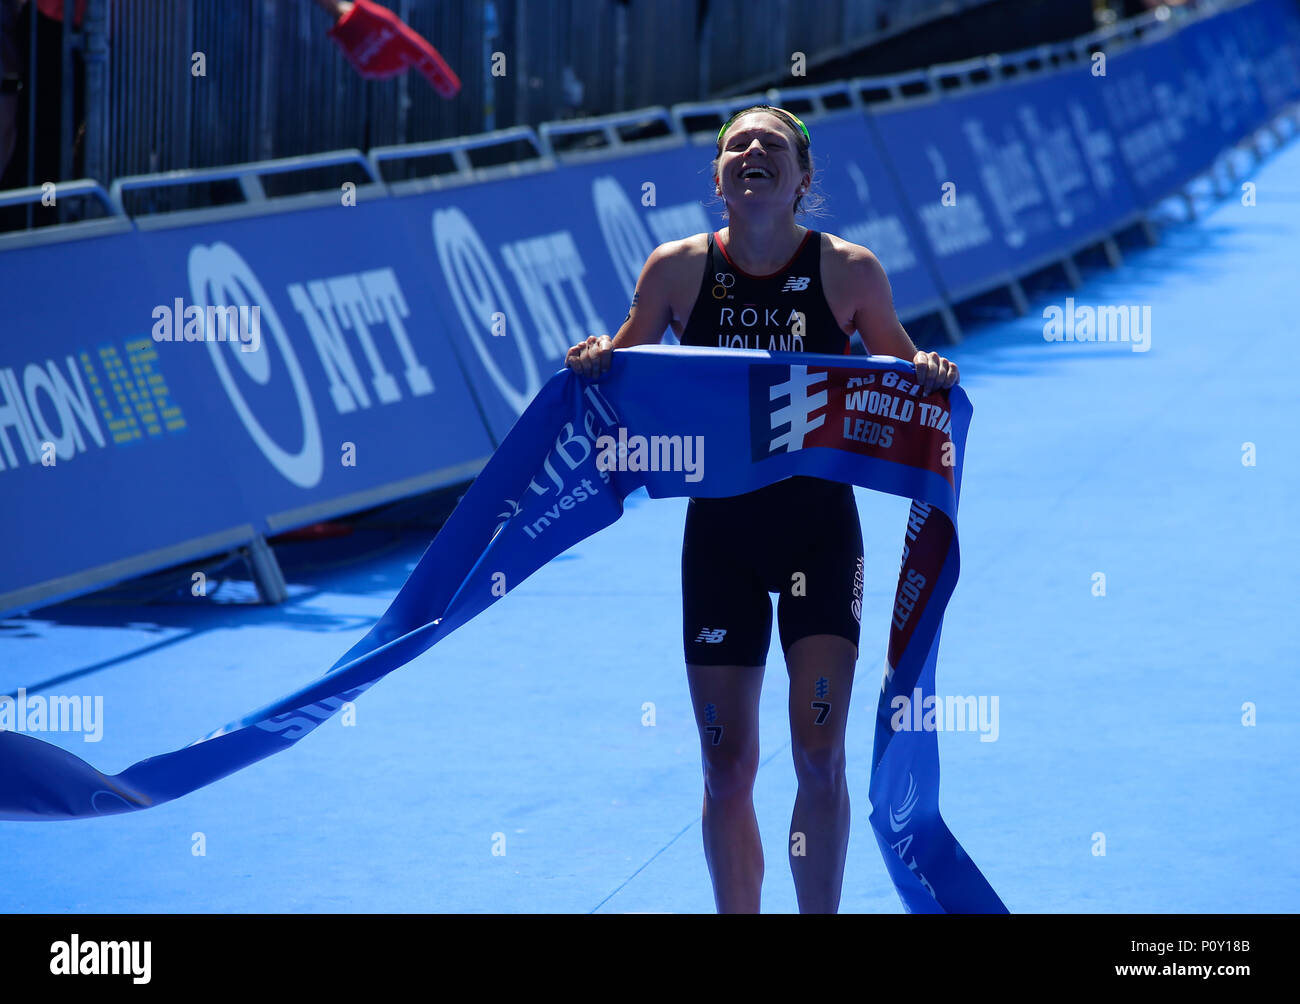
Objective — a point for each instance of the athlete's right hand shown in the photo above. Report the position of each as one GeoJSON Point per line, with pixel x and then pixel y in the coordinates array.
{"type": "Point", "coordinates": [592, 357]}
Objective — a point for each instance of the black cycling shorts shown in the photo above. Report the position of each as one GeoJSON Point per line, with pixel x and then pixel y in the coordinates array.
{"type": "Point", "coordinates": [800, 538]}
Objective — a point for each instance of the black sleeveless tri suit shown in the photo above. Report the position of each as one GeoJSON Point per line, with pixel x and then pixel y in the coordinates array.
{"type": "Point", "coordinates": [799, 537]}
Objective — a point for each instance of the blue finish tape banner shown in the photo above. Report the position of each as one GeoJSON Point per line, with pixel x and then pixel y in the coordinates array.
{"type": "Point", "coordinates": [676, 421]}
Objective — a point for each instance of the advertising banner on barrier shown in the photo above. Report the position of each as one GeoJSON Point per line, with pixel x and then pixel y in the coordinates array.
{"type": "Point", "coordinates": [1217, 58]}
{"type": "Point", "coordinates": [1063, 122]}
{"type": "Point", "coordinates": [1281, 39]}
{"type": "Point", "coordinates": [1004, 178]}
{"type": "Point", "coordinates": [1163, 116]}
{"type": "Point", "coordinates": [105, 453]}
{"type": "Point", "coordinates": [1269, 30]}
{"type": "Point", "coordinates": [352, 351]}
{"type": "Point", "coordinates": [1270, 34]}
{"type": "Point", "coordinates": [941, 180]}
{"type": "Point", "coordinates": [525, 267]}
{"type": "Point", "coordinates": [328, 388]}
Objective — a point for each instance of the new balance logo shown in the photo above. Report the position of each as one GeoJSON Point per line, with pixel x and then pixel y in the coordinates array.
{"type": "Point", "coordinates": [711, 635]}
{"type": "Point", "coordinates": [795, 284]}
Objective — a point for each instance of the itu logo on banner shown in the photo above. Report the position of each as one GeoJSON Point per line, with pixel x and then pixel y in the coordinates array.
{"type": "Point", "coordinates": [797, 407]}
{"type": "Point", "coordinates": [901, 822]}
{"type": "Point", "coordinates": [783, 401]}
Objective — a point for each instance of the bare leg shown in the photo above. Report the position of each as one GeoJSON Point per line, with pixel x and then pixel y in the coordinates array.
{"type": "Point", "coordinates": [725, 699]}
{"type": "Point", "coordinates": [821, 682]}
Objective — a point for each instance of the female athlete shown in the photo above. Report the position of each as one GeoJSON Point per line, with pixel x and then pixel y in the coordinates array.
{"type": "Point", "coordinates": [799, 537]}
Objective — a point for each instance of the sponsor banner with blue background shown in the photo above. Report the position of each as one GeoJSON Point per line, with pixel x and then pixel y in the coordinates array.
{"type": "Point", "coordinates": [1035, 171]}
{"type": "Point", "coordinates": [1217, 55]}
{"type": "Point", "coordinates": [927, 152]}
{"type": "Point", "coordinates": [1168, 124]}
{"type": "Point", "coordinates": [523, 269]}
{"type": "Point", "coordinates": [1273, 50]}
{"type": "Point", "coordinates": [137, 461]}
{"type": "Point", "coordinates": [1278, 45]}
{"type": "Point", "coordinates": [413, 331]}
{"type": "Point", "coordinates": [158, 443]}
{"type": "Point", "coordinates": [352, 351]}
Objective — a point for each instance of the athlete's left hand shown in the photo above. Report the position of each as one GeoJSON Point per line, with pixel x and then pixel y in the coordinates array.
{"type": "Point", "coordinates": [933, 372]}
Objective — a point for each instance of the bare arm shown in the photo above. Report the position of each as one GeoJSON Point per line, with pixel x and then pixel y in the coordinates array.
{"type": "Point", "coordinates": [647, 318]}
{"type": "Point", "coordinates": [883, 332]}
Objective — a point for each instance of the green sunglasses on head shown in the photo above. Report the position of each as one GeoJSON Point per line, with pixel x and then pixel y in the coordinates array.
{"type": "Point", "coordinates": [802, 128]}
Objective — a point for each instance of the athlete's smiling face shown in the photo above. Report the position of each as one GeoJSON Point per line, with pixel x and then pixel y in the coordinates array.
{"type": "Point", "coordinates": [759, 162]}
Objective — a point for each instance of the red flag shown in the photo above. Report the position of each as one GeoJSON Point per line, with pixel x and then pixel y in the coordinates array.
{"type": "Point", "coordinates": [54, 9]}
{"type": "Point", "coordinates": [379, 45]}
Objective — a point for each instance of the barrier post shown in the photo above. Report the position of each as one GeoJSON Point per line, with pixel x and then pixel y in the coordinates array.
{"type": "Point", "coordinates": [72, 39]}
{"type": "Point", "coordinates": [96, 60]}
{"type": "Point", "coordinates": [1018, 299]}
{"type": "Point", "coordinates": [1071, 271]}
{"type": "Point", "coordinates": [265, 571]}
{"type": "Point", "coordinates": [951, 326]}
